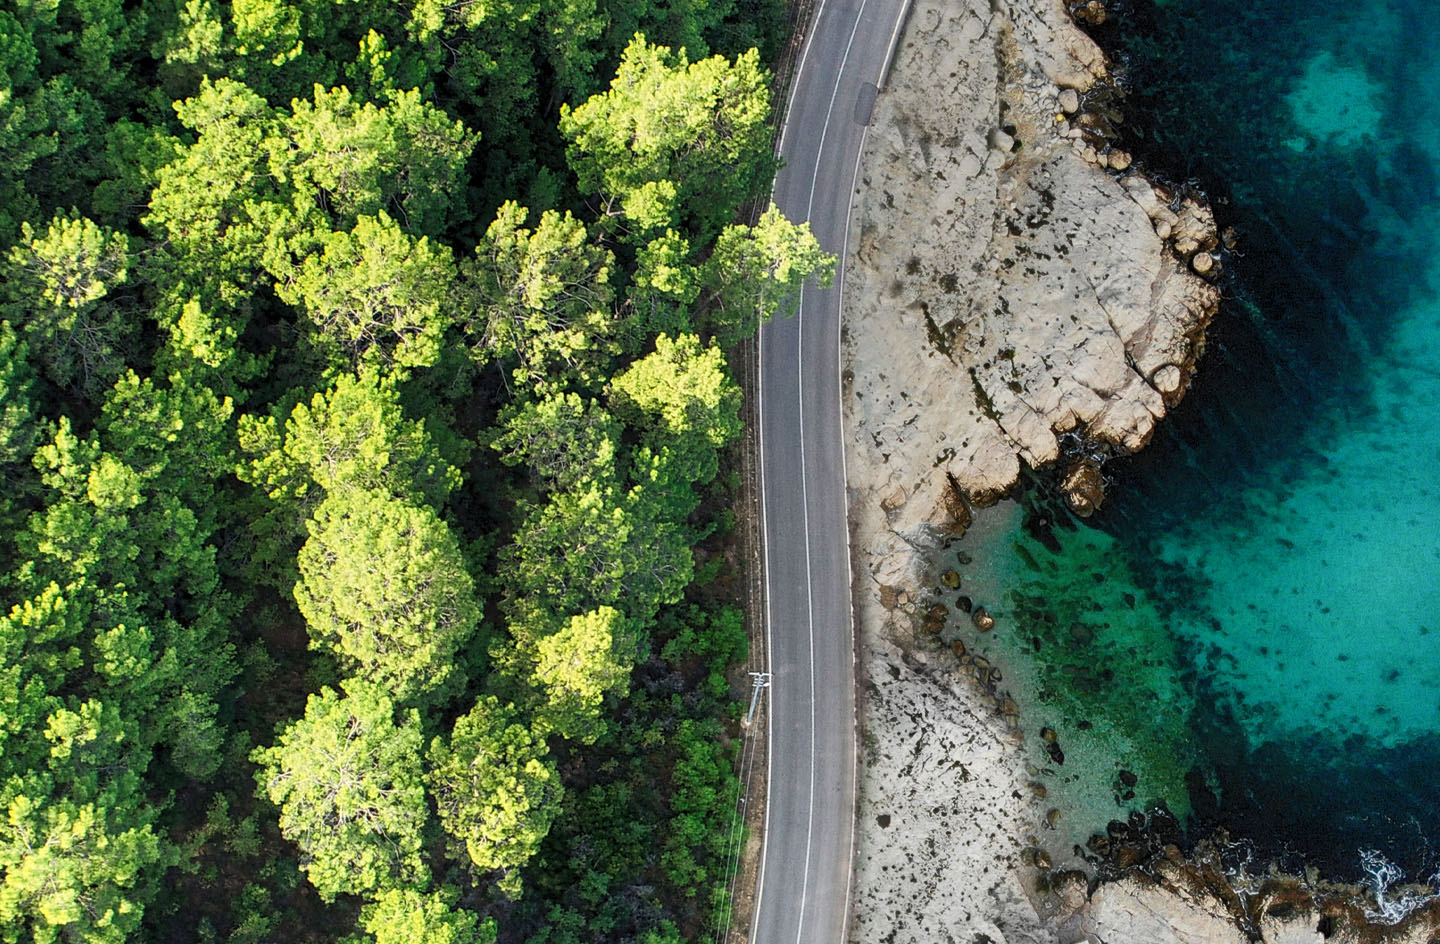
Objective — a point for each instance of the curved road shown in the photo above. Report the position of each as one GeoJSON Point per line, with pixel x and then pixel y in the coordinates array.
{"type": "Point", "coordinates": [803, 889]}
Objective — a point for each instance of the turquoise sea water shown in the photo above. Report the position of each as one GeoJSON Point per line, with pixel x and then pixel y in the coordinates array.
{"type": "Point", "coordinates": [1252, 624]}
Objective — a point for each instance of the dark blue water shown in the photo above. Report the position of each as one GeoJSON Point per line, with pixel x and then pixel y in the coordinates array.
{"type": "Point", "coordinates": [1253, 622]}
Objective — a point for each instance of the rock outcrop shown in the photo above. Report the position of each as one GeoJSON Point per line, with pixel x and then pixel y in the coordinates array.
{"type": "Point", "coordinates": [1015, 293]}
{"type": "Point", "coordinates": [1015, 285]}
{"type": "Point", "coordinates": [1018, 294]}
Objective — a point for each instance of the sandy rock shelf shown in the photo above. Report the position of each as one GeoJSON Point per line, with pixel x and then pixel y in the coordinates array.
{"type": "Point", "coordinates": [1012, 294]}
{"type": "Point", "coordinates": [1005, 290]}
{"type": "Point", "coordinates": [1017, 293]}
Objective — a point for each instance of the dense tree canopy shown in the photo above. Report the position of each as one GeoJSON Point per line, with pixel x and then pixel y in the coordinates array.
{"type": "Point", "coordinates": [364, 407]}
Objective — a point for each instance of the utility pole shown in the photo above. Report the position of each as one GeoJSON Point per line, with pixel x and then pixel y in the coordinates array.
{"type": "Point", "coordinates": [762, 681]}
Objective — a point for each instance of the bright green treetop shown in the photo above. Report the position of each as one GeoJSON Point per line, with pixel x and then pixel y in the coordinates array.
{"type": "Point", "coordinates": [352, 435]}
{"type": "Point", "coordinates": [405, 916]}
{"type": "Point", "coordinates": [76, 843]}
{"type": "Point", "coordinates": [564, 440]}
{"type": "Point", "coordinates": [405, 157]}
{"type": "Point", "coordinates": [496, 789]}
{"type": "Point", "coordinates": [374, 296]}
{"type": "Point", "coordinates": [674, 141]}
{"type": "Point", "coordinates": [383, 585]}
{"type": "Point", "coordinates": [683, 393]}
{"type": "Point", "coordinates": [541, 298]}
{"type": "Point", "coordinates": [70, 868]}
{"type": "Point", "coordinates": [591, 656]}
{"type": "Point", "coordinates": [756, 272]}
{"type": "Point", "coordinates": [347, 780]}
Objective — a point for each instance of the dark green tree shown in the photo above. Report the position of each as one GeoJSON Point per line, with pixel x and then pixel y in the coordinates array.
{"type": "Point", "coordinates": [17, 406]}
{"type": "Point", "coordinates": [56, 288]}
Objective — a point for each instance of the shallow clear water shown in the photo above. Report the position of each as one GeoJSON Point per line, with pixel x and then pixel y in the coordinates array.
{"type": "Point", "coordinates": [1263, 586]}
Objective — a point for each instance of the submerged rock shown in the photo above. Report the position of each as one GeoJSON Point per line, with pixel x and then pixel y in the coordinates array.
{"type": "Point", "coordinates": [958, 516]}
{"type": "Point", "coordinates": [982, 619]}
{"type": "Point", "coordinates": [1092, 12]}
{"type": "Point", "coordinates": [1084, 487]}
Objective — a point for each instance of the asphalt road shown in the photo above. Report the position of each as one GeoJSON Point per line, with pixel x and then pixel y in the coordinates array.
{"type": "Point", "coordinates": [803, 889]}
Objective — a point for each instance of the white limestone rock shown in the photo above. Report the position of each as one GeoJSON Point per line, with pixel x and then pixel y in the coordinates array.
{"type": "Point", "coordinates": [996, 296]}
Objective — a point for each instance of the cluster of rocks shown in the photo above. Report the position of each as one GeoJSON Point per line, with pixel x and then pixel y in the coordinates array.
{"type": "Point", "coordinates": [1091, 121]}
{"type": "Point", "coordinates": [1142, 887]}
{"type": "Point", "coordinates": [1092, 12]}
{"type": "Point", "coordinates": [932, 620]}
{"type": "Point", "coordinates": [1186, 226]}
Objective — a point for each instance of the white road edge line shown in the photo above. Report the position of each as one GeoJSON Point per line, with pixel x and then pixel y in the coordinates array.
{"type": "Point", "coordinates": [795, 82]}
{"type": "Point", "coordinates": [804, 476]}
{"type": "Point", "coordinates": [849, 566]}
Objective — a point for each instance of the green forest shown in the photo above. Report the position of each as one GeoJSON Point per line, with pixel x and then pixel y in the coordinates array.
{"type": "Point", "coordinates": [367, 434]}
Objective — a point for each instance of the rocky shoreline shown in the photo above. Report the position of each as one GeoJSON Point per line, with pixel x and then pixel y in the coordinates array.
{"type": "Point", "coordinates": [1019, 295]}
